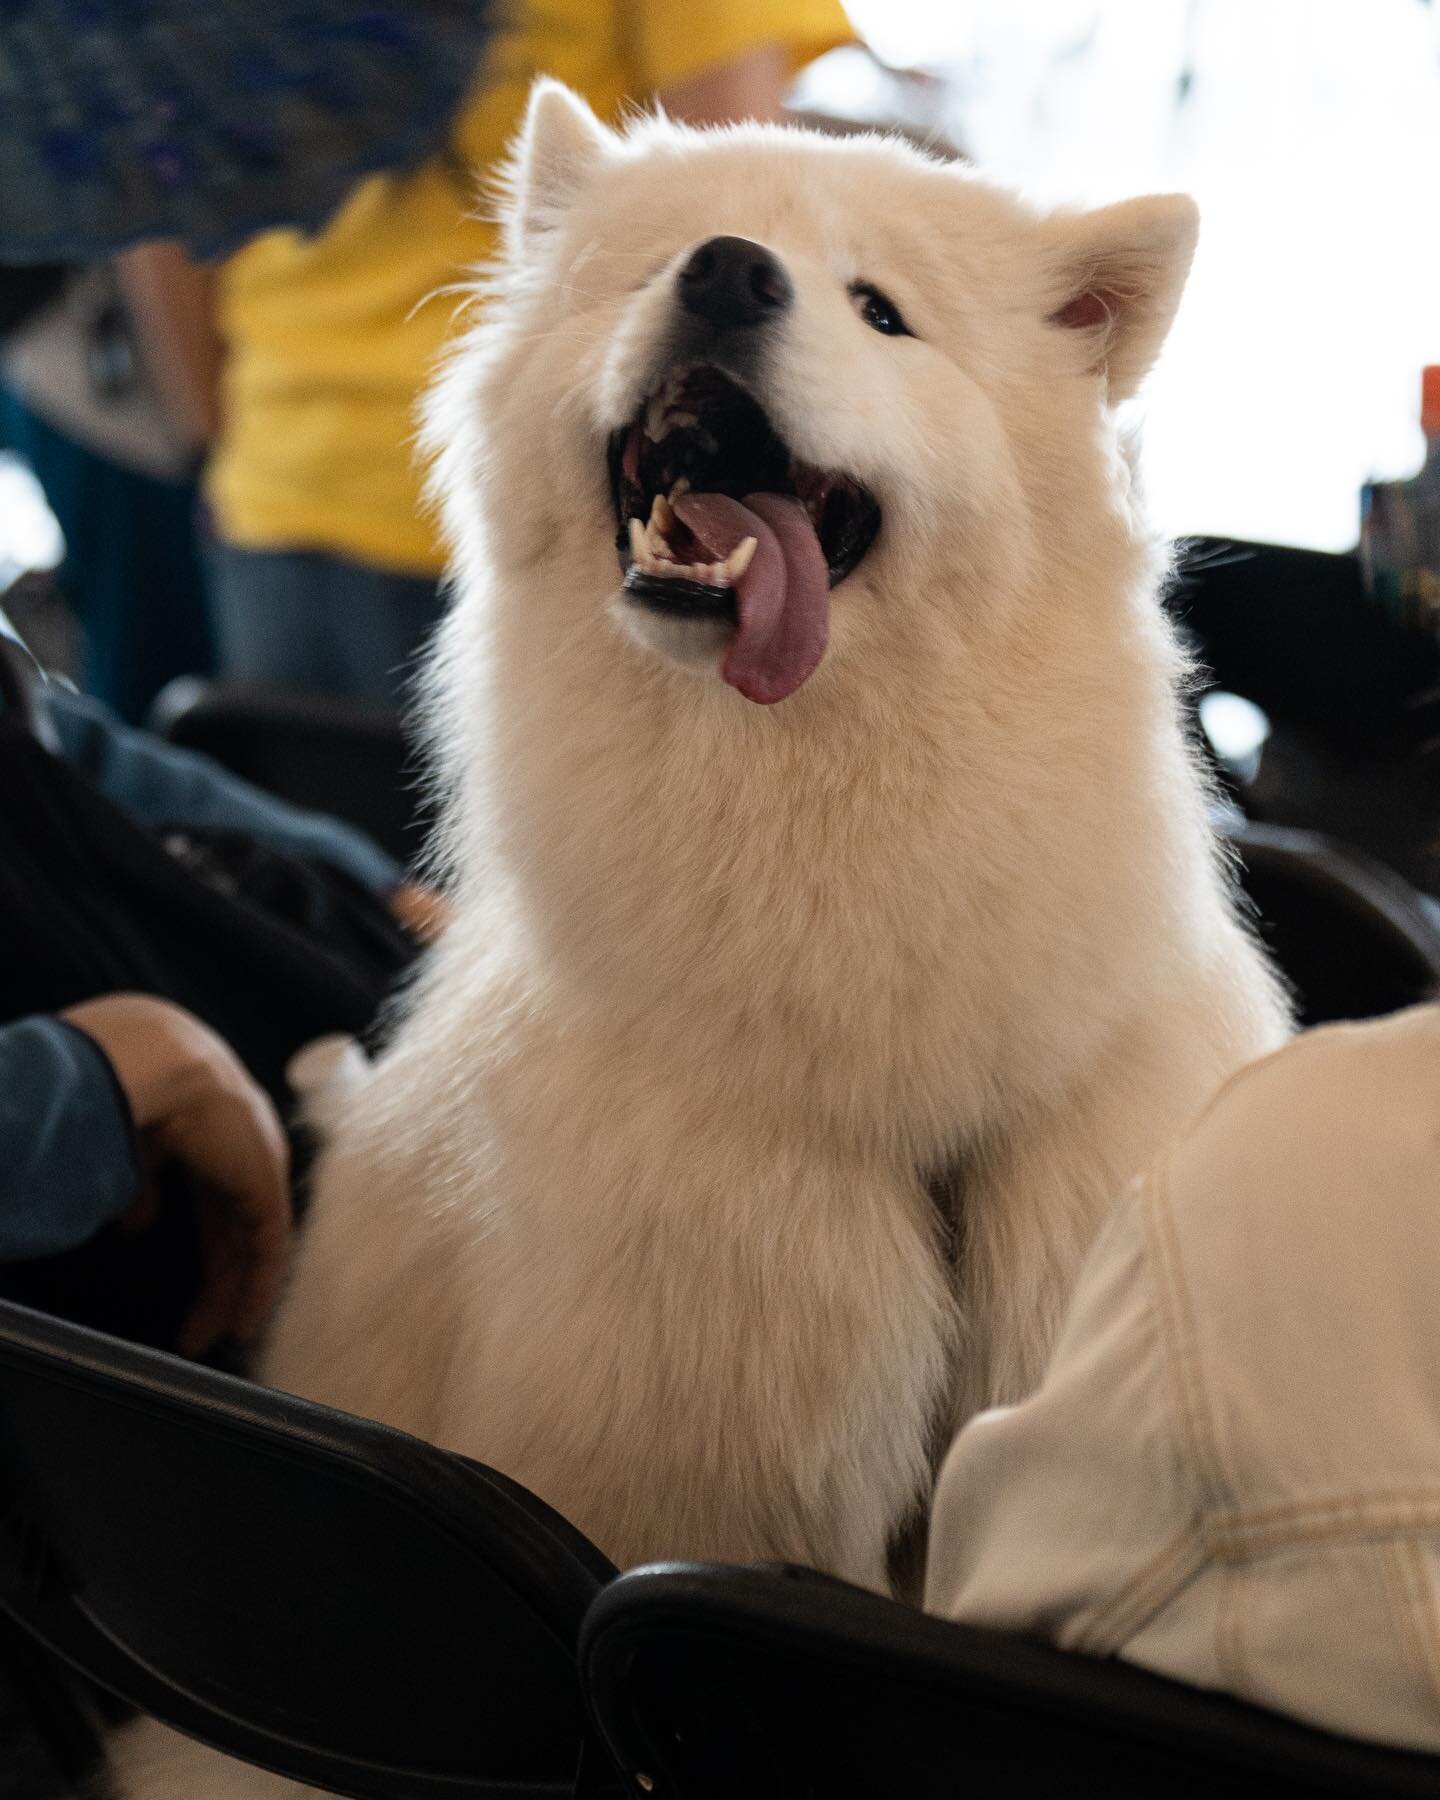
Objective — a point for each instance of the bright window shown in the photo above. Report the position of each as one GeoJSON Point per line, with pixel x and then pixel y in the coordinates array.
{"type": "Point", "coordinates": [1309, 131]}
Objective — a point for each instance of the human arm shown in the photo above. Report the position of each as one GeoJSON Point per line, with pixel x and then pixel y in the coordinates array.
{"type": "Point", "coordinates": [69, 1158]}
{"type": "Point", "coordinates": [748, 86]}
{"type": "Point", "coordinates": [171, 304]}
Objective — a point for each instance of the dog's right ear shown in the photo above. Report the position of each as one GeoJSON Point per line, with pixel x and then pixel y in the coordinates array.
{"type": "Point", "coordinates": [559, 147]}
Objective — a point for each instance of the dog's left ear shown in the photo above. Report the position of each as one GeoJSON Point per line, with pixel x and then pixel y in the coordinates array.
{"type": "Point", "coordinates": [559, 146]}
{"type": "Point", "coordinates": [1118, 276]}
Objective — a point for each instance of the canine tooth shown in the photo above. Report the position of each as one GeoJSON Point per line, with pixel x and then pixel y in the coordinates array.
{"type": "Point", "coordinates": [655, 418]}
{"type": "Point", "coordinates": [662, 516]}
{"type": "Point", "coordinates": [637, 540]}
{"type": "Point", "coordinates": [738, 561]}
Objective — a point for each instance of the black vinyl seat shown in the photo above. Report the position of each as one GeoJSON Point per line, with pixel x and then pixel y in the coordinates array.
{"type": "Point", "coordinates": [303, 1589]}
{"type": "Point", "coordinates": [717, 1683]}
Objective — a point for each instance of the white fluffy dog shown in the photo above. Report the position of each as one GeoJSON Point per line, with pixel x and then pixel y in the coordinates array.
{"type": "Point", "coordinates": [837, 921]}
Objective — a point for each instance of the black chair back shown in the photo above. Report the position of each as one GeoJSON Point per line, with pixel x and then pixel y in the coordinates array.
{"type": "Point", "coordinates": [1353, 937]}
{"type": "Point", "coordinates": [331, 755]}
{"type": "Point", "coordinates": [306, 1590]}
{"type": "Point", "coordinates": [778, 1684]}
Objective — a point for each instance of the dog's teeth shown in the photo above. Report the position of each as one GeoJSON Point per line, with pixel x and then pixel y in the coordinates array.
{"type": "Point", "coordinates": [738, 561]}
{"type": "Point", "coordinates": [677, 488]}
{"type": "Point", "coordinates": [652, 555]}
{"type": "Point", "coordinates": [655, 419]}
{"type": "Point", "coordinates": [662, 515]}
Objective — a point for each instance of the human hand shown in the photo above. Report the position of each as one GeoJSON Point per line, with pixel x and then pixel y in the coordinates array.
{"type": "Point", "coordinates": [194, 1104]}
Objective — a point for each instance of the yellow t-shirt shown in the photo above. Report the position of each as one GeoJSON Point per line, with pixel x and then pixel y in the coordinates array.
{"type": "Point", "coordinates": [331, 338]}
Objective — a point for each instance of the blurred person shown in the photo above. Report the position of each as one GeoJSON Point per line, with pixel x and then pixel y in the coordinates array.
{"type": "Point", "coordinates": [326, 570]}
{"type": "Point", "coordinates": [161, 785]}
{"type": "Point", "coordinates": [118, 1106]}
{"type": "Point", "coordinates": [1230, 1471]}
{"type": "Point", "coordinates": [107, 391]}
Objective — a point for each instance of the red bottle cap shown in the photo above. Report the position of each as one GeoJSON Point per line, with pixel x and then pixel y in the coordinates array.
{"type": "Point", "coordinates": [1430, 400]}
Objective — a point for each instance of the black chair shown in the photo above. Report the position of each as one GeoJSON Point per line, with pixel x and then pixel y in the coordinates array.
{"type": "Point", "coordinates": [335, 756]}
{"type": "Point", "coordinates": [712, 1683]}
{"type": "Point", "coordinates": [306, 1590]}
{"type": "Point", "coordinates": [1294, 631]}
{"type": "Point", "coordinates": [1352, 936]}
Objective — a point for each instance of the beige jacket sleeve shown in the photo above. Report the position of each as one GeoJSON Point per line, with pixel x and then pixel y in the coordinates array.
{"type": "Point", "coordinates": [1231, 1471]}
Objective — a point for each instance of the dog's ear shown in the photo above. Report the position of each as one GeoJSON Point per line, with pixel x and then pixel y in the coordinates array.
{"type": "Point", "coordinates": [559, 146]}
{"type": "Point", "coordinates": [1118, 273]}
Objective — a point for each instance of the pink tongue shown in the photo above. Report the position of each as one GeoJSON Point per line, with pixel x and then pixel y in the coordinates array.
{"type": "Point", "coordinates": [783, 598]}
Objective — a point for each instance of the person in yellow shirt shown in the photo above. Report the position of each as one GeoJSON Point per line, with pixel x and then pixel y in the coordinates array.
{"type": "Point", "coordinates": [326, 568]}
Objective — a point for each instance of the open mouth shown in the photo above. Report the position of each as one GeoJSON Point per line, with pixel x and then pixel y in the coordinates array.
{"type": "Point", "coordinates": [719, 522]}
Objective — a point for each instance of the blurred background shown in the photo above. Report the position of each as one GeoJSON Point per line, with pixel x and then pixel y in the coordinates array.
{"type": "Point", "coordinates": [268, 376]}
{"type": "Point", "coordinates": [1309, 132]}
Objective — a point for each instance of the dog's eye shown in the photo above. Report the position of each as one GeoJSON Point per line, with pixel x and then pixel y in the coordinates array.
{"type": "Point", "coordinates": [878, 310]}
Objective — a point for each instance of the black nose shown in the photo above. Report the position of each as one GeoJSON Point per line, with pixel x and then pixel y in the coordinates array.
{"type": "Point", "coordinates": [731, 281]}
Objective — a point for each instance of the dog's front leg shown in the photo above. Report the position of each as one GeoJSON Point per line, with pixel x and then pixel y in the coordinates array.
{"type": "Point", "coordinates": [1030, 1203]}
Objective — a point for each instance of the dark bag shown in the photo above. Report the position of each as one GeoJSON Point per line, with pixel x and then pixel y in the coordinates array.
{"type": "Point", "coordinates": [268, 950]}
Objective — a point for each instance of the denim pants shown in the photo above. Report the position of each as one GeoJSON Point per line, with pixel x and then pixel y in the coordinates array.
{"type": "Point", "coordinates": [314, 623]}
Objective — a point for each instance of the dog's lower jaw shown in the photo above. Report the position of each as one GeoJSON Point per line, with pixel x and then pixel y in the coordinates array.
{"type": "Point", "coordinates": [696, 645]}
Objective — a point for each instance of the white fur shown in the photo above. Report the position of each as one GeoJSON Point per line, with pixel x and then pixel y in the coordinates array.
{"type": "Point", "coordinates": [634, 1208]}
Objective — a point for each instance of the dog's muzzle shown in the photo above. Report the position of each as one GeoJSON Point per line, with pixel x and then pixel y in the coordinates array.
{"type": "Point", "coordinates": [718, 521]}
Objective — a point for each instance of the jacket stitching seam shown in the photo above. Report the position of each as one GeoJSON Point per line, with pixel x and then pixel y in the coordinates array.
{"type": "Point", "coordinates": [1407, 1586]}
{"type": "Point", "coordinates": [1179, 1340]}
{"type": "Point", "coordinates": [1235, 1535]}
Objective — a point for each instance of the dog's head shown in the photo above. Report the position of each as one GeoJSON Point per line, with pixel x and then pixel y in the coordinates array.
{"type": "Point", "coordinates": [760, 395]}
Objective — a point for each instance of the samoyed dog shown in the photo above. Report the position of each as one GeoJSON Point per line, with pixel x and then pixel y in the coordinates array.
{"type": "Point", "coordinates": [837, 922]}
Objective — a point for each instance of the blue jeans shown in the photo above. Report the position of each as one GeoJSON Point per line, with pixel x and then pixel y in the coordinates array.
{"type": "Point", "coordinates": [312, 623]}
